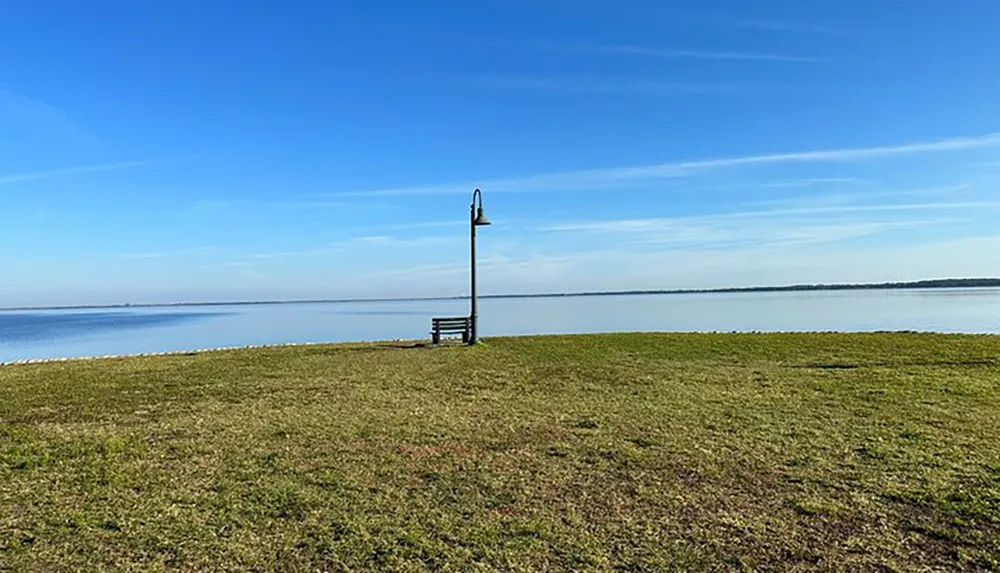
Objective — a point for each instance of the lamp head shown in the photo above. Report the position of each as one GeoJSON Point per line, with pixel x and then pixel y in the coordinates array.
{"type": "Point", "coordinates": [481, 220]}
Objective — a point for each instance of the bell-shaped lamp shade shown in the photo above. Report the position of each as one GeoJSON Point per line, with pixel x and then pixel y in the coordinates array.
{"type": "Point", "coordinates": [481, 220]}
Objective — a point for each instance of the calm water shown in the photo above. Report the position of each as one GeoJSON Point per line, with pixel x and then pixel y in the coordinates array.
{"type": "Point", "coordinates": [53, 334]}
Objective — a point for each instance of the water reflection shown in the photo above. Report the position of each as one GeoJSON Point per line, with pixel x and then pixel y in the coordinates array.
{"type": "Point", "coordinates": [377, 312]}
{"type": "Point", "coordinates": [27, 327]}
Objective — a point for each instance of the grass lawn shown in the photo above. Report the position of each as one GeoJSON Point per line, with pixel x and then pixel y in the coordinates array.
{"type": "Point", "coordinates": [606, 452]}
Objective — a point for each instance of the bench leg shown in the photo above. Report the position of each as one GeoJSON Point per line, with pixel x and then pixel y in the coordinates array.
{"type": "Point", "coordinates": [465, 336]}
{"type": "Point", "coordinates": [436, 337]}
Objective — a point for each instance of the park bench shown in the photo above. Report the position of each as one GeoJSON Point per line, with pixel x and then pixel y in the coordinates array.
{"type": "Point", "coordinates": [455, 325]}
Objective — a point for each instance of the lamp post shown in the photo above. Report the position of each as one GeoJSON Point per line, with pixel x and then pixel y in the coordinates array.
{"type": "Point", "coordinates": [476, 219]}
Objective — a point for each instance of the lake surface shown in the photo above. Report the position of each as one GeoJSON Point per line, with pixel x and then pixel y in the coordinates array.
{"type": "Point", "coordinates": [69, 333]}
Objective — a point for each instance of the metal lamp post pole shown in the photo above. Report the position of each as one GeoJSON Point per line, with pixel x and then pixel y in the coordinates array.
{"type": "Point", "coordinates": [474, 318]}
{"type": "Point", "coordinates": [476, 219]}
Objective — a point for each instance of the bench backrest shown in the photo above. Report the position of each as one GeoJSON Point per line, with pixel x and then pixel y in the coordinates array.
{"type": "Point", "coordinates": [457, 323]}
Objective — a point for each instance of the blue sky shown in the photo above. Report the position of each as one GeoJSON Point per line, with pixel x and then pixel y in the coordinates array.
{"type": "Point", "coordinates": [163, 151]}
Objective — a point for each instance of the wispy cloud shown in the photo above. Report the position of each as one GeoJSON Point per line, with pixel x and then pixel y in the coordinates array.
{"type": "Point", "coordinates": [834, 209]}
{"type": "Point", "coordinates": [792, 27]}
{"type": "Point", "coordinates": [813, 182]}
{"type": "Point", "coordinates": [29, 119]}
{"type": "Point", "coordinates": [365, 243]}
{"type": "Point", "coordinates": [232, 208]}
{"type": "Point", "coordinates": [386, 241]}
{"type": "Point", "coordinates": [422, 271]}
{"type": "Point", "coordinates": [235, 264]}
{"type": "Point", "coordinates": [618, 176]}
{"type": "Point", "coordinates": [806, 183]}
{"type": "Point", "coordinates": [354, 244]}
{"type": "Point", "coordinates": [728, 233]}
{"type": "Point", "coordinates": [831, 155]}
{"type": "Point", "coordinates": [629, 225]}
{"type": "Point", "coordinates": [424, 225]}
{"type": "Point", "coordinates": [675, 53]}
{"type": "Point", "coordinates": [809, 224]}
{"type": "Point", "coordinates": [618, 87]}
{"type": "Point", "coordinates": [70, 171]}
{"type": "Point", "coordinates": [854, 198]}
{"type": "Point", "coordinates": [168, 254]}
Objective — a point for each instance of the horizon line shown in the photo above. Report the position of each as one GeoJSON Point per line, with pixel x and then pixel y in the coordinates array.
{"type": "Point", "coordinates": [798, 287]}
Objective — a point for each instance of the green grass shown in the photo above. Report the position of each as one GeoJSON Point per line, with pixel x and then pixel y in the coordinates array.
{"type": "Point", "coordinates": [608, 452]}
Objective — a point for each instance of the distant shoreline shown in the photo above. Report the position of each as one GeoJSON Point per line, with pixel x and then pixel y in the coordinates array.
{"type": "Point", "coordinates": [924, 284]}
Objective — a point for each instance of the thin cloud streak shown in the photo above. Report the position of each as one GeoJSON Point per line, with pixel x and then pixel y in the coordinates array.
{"type": "Point", "coordinates": [38, 119]}
{"type": "Point", "coordinates": [355, 243]}
{"type": "Point", "coordinates": [772, 235]}
{"type": "Point", "coordinates": [739, 230]}
{"type": "Point", "coordinates": [942, 206]}
{"type": "Point", "coordinates": [810, 182]}
{"type": "Point", "coordinates": [627, 50]}
{"type": "Point", "coordinates": [625, 225]}
{"type": "Point", "coordinates": [423, 225]}
{"type": "Point", "coordinates": [622, 87]}
{"type": "Point", "coordinates": [70, 171]}
{"type": "Point", "coordinates": [598, 178]}
{"type": "Point", "coordinates": [168, 254]}
{"type": "Point", "coordinates": [834, 199]}
{"type": "Point", "coordinates": [832, 155]}
{"type": "Point", "coordinates": [789, 27]}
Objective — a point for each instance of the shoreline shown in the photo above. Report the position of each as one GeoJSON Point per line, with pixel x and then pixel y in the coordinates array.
{"type": "Point", "coordinates": [194, 352]}
{"type": "Point", "coordinates": [425, 343]}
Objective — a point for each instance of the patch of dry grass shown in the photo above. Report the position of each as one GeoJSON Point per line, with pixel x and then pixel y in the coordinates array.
{"type": "Point", "coordinates": [606, 452]}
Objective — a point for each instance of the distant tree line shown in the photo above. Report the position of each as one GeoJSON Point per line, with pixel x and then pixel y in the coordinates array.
{"type": "Point", "coordinates": [925, 284]}
{"type": "Point", "coordinates": [935, 283]}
